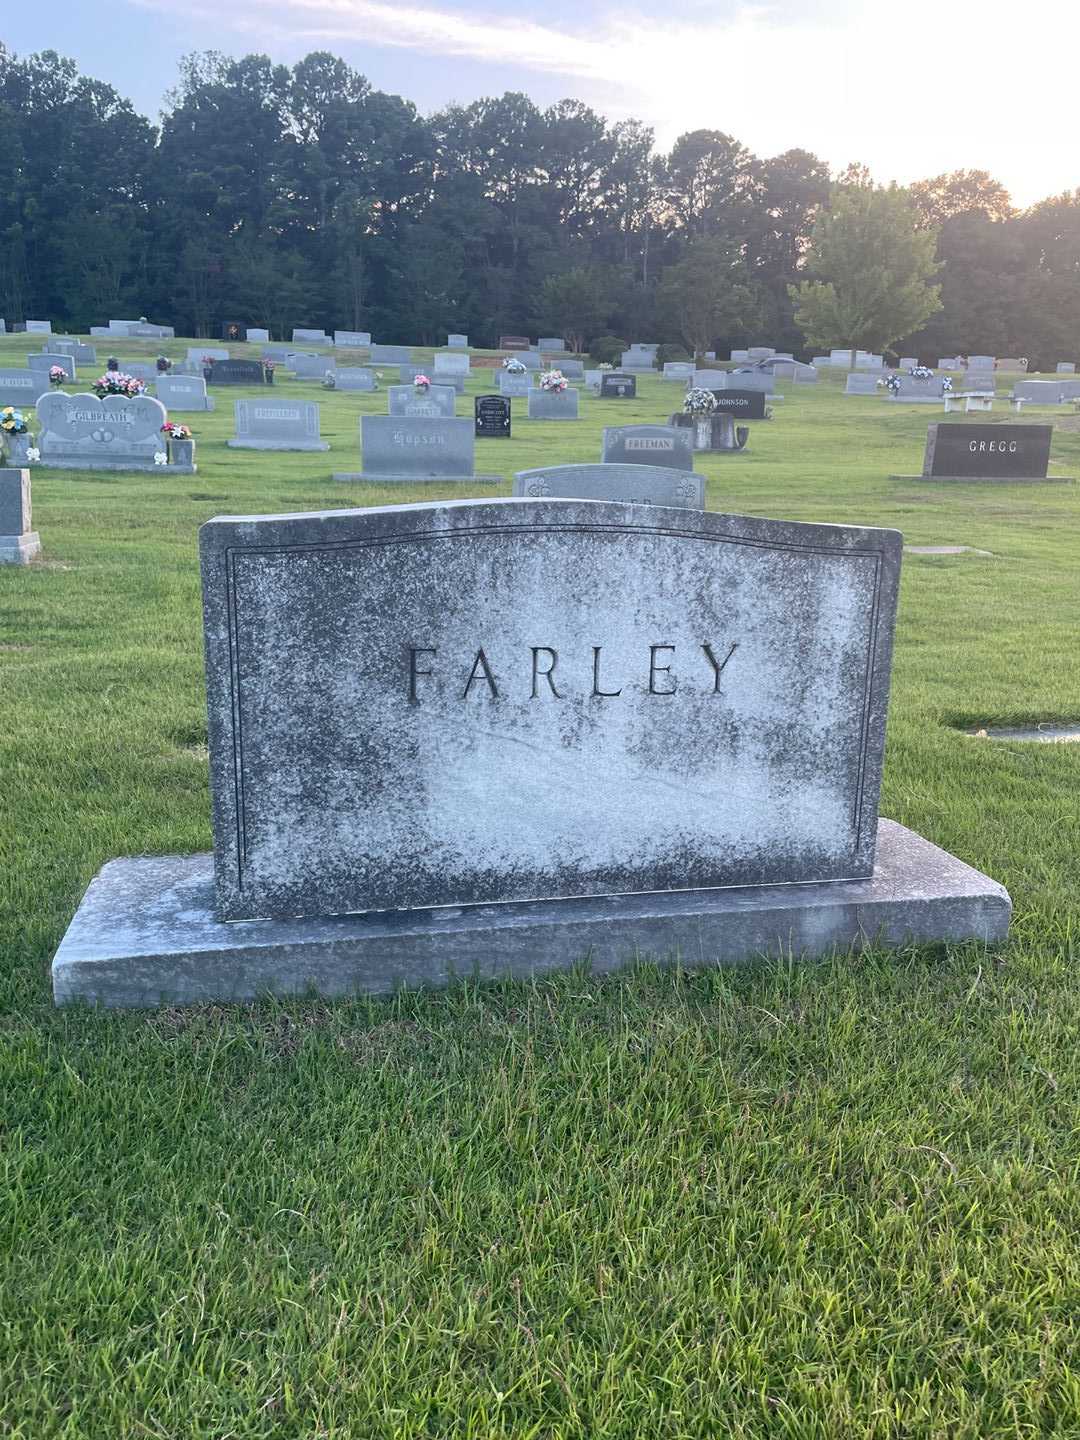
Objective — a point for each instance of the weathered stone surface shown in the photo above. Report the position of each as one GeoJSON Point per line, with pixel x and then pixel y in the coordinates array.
{"type": "Point", "coordinates": [1047, 392]}
{"type": "Point", "coordinates": [18, 542]}
{"type": "Point", "coordinates": [629, 484]}
{"type": "Point", "coordinates": [81, 432]}
{"type": "Point", "coordinates": [277, 425]}
{"type": "Point", "coordinates": [22, 387]}
{"type": "Point", "coordinates": [477, 701]}
{"type": "Point", "coordinates": [146, 934]}
{"type": "Point", "coordinates": [183, 392]}
{"type": "Point", "coordinates": [682, 370]}
{"type": "Point", "coordinates": [553, 405]}
{"type": "Point", "coordinates": [43, 363]}
{"type": "Point", "coordinates": [310, 337]}
{"type": "Point", "coordinates": [352, 339]}
{"type": "Point", "coordinates": [307, 366]}
{"type": "Point", "coordinates": [434, 402]}
{"type": "Point", "coordinates": [648, 445]}
{"type": "Point", "coordinates": [240, 372]}
{"type": "Point", "coordinates": [861, 385]}
{"type": "Point", "coordinates": [451, 364]}
{"type": "Point", "coordinates": [416, 448]}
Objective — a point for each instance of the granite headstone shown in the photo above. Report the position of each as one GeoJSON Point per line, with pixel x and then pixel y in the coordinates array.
{"type": "Point", "coordinates": [663, 445]}
{"type": "Point", "coordinates": [277, 425]}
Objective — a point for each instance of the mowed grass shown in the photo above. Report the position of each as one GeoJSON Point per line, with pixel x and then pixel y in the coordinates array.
{"type": "Point", "coordinates": [809, 1199]}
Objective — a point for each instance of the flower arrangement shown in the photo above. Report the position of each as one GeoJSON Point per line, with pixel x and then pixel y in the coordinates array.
{"type": "Point", "coordinates": [328, 381]}
{"type": "Point", "coordinates": [513, 366]}
{"type": "Point", "coordinates": [115, 382]}
{"type": "Point", "coordinates": [605, 365]}
{"type": "Point", "coordinates": [421, 383]}
{"type": "Point", "coordinates": [57, 375]}
{"type": "Point", "coordinates": [12, 421]}
{"type": "Point", "coordinates": [921, 372]}
{"type": "Point", "coordinates": [699, 401]}
{"type": "Point", "coordinates": [946, 384]}
{"type": "Point", "coordinates": [164, 364]}
{"type": "Point", "coordinates": [160, 457]}
{"type": "Point", "coordinates": [208, 359]}
{"type": "Point", "coordinates": [553, 381]}
{"type": "Point", "coordinates": [33, 454]}
{"type": "Point", "coordinates": [891, 383]}
{"type": "Point", "coordinates": [270, 366]}
{"type": "Point", "coordinates": [173, 430]}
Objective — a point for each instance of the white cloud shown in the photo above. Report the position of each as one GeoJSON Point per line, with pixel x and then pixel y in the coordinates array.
{"type": "Point", "coordinates": [909, 92]}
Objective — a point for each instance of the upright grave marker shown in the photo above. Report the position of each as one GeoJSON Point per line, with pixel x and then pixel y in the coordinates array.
{"type": "Point", "coordinates": [408, 449]}
{"type": "Point", "coordinates": [986, 452]}
{"type": "Point", "coordinates": [618, 387]}
{"type": "Point", "coordinates": [22, 387]}
{"type": "Point", "coordinates": [633, 484]}
{"type": "Point", "coordinates": [277, 425]}
{"type": "Point", "coordinates": [183, 392]}
{"type": "Point", "coordinates": [352, 339]}
{"type": "Point", "coordinates": [355, 377]}
{"type": "Point", "coordinates": [553, 404]}
{"type": "Point", "coordinates": [491, 417]}
{"type": "Point", "coordinates": [648, 445]}
{"type": "Point", "coordinates": [638, 709]}
{"type": "Point", "coordinates": [240, 372]}
{"type": "Point", "coordinates": [81, 432]}
{"type": "Point", "coordinates": [19, 543]}
{"type": "Point", "coordinates": [434, 402]}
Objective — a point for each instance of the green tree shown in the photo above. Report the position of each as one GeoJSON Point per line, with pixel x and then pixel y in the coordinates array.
{"type": "Point", "coordinates": [871, 266]}
{"type": "Point", "coordinates": [705, 294]}
{"type": "Point", "coordinates": [963, 192]}
{"type": "Point", "coordinates": [575, 304]}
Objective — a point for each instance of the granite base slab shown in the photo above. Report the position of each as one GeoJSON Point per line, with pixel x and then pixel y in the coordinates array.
{"type": "Point", "coordinates": [360, 477]}
{"type": "Point", "coordinates": [988, 479]}
{"type": "Point", "coordinates": [19, 549]}
{"type": "Point", "coordinates": [145, 932]}
{"type": "Point", "coordinates": [141, 466]}
{"type": "Point", "coordinates": [278, 444]}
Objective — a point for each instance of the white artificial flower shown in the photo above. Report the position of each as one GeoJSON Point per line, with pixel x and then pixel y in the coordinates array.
{"type": "Point", "coordinates": [33, 454]}
{"type": "Point", "coordinates": [160, 458]}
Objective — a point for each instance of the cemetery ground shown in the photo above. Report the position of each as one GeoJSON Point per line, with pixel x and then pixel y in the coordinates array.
{"type": "Point", "coordinates": [801, 1199]}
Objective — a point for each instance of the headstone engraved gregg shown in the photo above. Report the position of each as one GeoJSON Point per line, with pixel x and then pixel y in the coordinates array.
{"type": "Point", "coordinates": [434, 402]}
{"type": "Point", "coordinates": [707, 694]}
{"type": "Point", "coordinates": [987, 452]}
{"type": "Point", "coordinates": [81, 432]}
{"type": "Point", "coordinates": [630, 484]}
{"type": "Point", "coordinates": [277, 425]}
{"type": "Point", "coordinates": [491, 417]}
{"type": "Point", "coordinates": [408, 449]}
{"type": "Point", "coordinates": [183, 392]}
{"type": "Point", "coordinates": [648, 445]}
{"type": "Point", "coordinates": [618, 387]}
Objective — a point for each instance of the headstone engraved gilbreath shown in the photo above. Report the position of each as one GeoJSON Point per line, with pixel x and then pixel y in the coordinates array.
{"type": "Point", "coordinates": [493, 737]}
{"type": "Point", "coordinates": [81, 432]}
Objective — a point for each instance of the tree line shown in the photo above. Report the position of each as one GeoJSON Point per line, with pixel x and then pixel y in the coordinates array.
{"type": "Point", "coordinates": [282, 196]}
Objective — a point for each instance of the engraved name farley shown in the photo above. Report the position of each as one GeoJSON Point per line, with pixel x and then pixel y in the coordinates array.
{"type": "Point", "coordinates": [538, 674]}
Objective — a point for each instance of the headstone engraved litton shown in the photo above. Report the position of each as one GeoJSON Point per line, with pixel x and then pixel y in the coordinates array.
{"type": "Point", "coordinates": [589, 719]}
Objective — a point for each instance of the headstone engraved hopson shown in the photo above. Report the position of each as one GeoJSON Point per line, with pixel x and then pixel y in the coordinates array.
{"type": "Point", "coordinates": [553, 404]}
{"type": "Point", "coordinates": [22, 387]}
{"type": "Point", "coordinates": [409, 449]}
{"type": "Point", "coordinates": [648, 445]}
{"type": "Point", "coordinates": [277, 425]}
{"type": "Point", "coordinates": [81, 432]}
{"type": "Point", "coordinates": [601, 716]}
{"type": "Point", "coordinates": [434, 402]}
{"type": "Point", "coordinates": [491, 417]}
{"type": "Point", "coordinates": [183, 392]}
{"type": "Point", "coordinates": [630, 484]}
{"type": "Point", "coordinates": [19, 544]}
{"type": "Point", "coordinates": [987, 452]}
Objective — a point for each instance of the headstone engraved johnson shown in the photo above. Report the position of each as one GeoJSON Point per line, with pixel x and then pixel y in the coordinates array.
{"type": "Point", "coordinates": [599, 715]}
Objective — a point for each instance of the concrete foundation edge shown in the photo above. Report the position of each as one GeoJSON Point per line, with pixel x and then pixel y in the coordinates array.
{"type": "Point", "coordinates": [358, 477]}
{"type": "Point", "coordinates": [988, 479]}
{"type": "Point", "coordinates": [19, 549]}
{"type": "Point", "coordinates": [145, 934]}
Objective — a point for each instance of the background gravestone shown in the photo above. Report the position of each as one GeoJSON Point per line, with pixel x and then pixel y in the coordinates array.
{"type": "Point", "coordinates": [198, 353]}
{"type": "Point", "coordinates": [630, 484]}
{"type": "Point", "coordinates": [257, 335]}
{"type": "Point", "coordinates": [310, 367]}
{"type": "Point", "coordinates": [987, 452]}
{"type": "Point", "coordinates": [42, 364]}
{"type": "Point", "coordinates": [352, 338]}
{"type": "Point", "coordinates": [663, 445]}
{"type": "Point", "coordinates": [81, 432]}
{"type": "Point", "coordinates": [355, 377]}
{"type": "Point", "coordinates": [618, 387]}
{"type": "Point", "coordinates": [310, 337]}
{"type": "Point", "coordinates": [183, 392]}
{"type": "Point", "coordinates": [519, 385]}
{"type": "Point", "coordinates": [411, 448]}
{"type": "Point", "coordinates": [277, 425]}
{"type": "Point", "coordinates": [491, 417]}
{"type": "Point", "coordinates": [240, 372]}
{"type": "Point", "coordinates": [553, 405]}
{"type": "Point", "coordinates": [234, 331]}
{"type": "Point", "coordinates": [436, 401]}
{"type": "Point", "coordinates": [22, 387]}
{"type": "Point", "coordinates": [390, 354]}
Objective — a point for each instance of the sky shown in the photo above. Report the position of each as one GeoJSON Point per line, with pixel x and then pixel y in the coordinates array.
{"type": "Point", "coordinates": [911, 88]}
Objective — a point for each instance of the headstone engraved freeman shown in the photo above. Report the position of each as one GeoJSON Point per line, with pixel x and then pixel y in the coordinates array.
{"type": "Point", "coordinates": [553, 404]}
{"type": "Point", "coordinates": [277, 425]}
{"type": "Point", "coordinates": [987, 452]}
{"type": "Point", "coordinates": [434, 402]}
{"type": "Point", "coordinates": [81, 432]}
{"type": "Point", "coordinates": [630, 484]}
{"type": "Point", "coordinates": [19, 544]}
{"type": "Point", "coordinates": [491, 417]}
{"type": "Point", "coordinates": [618, 387]}
{"type": "Point", "coordinates": [707, 693]}
{"type": "Point", "coordinates": [408, 449]}
{"type": "Point", "coordinates": [22, 387]}
{"type": "Point", "coordinates": [662, 445]}
{"type": "Point", "coordinates": [183, 392]}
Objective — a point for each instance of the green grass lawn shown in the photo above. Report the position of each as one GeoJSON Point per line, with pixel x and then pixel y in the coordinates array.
{"type": "Point", "coordinates": [837, 1199]}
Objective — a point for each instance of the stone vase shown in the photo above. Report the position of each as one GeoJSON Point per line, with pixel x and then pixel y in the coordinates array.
{"type": "Point", "coordinates": [181, 452]}
{"type": "Point", "coordinates": [702, 432]}
{"type": "Point", "coordinates": [14, 450]}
